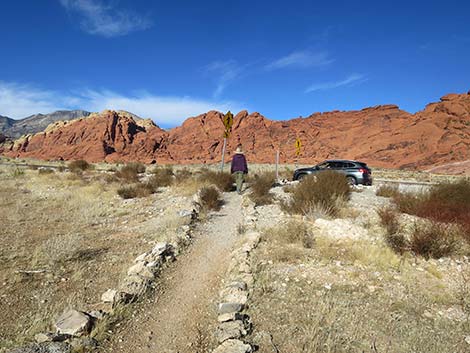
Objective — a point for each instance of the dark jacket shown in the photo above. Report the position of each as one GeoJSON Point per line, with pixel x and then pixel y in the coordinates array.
{"type": "Point", "coordinates": [239, 164]}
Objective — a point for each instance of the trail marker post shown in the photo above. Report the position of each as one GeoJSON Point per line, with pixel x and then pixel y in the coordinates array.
{"type": "Point", "coordinates": [298, 146]}
{"type": "Point", "coordinates": [227, 120]}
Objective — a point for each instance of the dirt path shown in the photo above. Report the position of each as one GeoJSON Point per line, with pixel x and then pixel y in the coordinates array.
{"type": "Point", "coordinates": [179, 318]}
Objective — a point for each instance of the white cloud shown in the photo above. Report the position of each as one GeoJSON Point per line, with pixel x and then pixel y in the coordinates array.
{"type": "Point", "coordinates": [98, 18]}
{"type": "Point", "coordinates": [302, 59]}
{"type": "Point", "coordinates": [18, 101]}
{"type": "Point", "coordinates": [350, 80]}
{"type": "Point", "coordinates": [226, 72]}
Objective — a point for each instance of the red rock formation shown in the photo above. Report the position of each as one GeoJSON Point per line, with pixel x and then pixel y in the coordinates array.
{"type": "Point", "coordinates": [383, 136]}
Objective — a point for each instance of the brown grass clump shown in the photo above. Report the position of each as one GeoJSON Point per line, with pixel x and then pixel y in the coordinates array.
{"type": "Point", "coordinates": [395, 239]}
{"type": "Point", "coordinates": [387, 191]}
{"type": "Point", "coordinates": [434, 240]}
{"type": "Point", "coordinates": [136, 190]}
{"type": "Point", "coordinates": [210, 198]}
{"type": "Point", "coordinates": [130, 172]}
{"type": "Point", "coordinates": [294, 232]}
{"type": "Point", "coordinates": [260, 187]}
{"type": "Point", "coordinates": [323, 190]}
{"type": "Point", "coordinates": [223, 180]}
{"type": "Point", "coordinates": [79, 166]}
{"type": "Point", "coordinates": [162, 177]}
{"type": "Point", "coordinates": [447, 202]}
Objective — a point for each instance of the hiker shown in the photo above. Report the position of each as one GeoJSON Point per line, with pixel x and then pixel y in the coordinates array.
{"type": "Point", "coordinates": [239, 168]}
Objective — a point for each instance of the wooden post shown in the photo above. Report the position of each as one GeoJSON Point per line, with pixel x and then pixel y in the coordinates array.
{"type": "Point", "coordinates": [223, 155]}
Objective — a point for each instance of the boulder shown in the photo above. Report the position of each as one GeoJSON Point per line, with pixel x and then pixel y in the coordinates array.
{"type": "Point", "coordinates": [230, 329]}
{"type": "Point", "coordinates": [74, 323]}
{"type": "Point", "coordinates": [225, 308]}
{"type": "Point", "coordinates": [140, 269]}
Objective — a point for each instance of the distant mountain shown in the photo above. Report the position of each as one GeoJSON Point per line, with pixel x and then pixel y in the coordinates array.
{"type": "Point", "coordinates": [36, 123]}
{"type": "Point", "coordinates": [382, 136]}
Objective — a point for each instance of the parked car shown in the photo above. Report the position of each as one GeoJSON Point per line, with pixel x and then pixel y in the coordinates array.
{"type": "Point", "coordinates": [356, 172]}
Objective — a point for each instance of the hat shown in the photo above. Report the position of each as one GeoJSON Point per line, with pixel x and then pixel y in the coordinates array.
{"type": "Point", "coordinates": [239, 150]}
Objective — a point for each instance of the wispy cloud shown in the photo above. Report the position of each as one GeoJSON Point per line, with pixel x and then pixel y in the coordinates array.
{"type": "Point", "coordinates": [302, 59]}
{"type": "Point", "coordinates": [225, 72]}
{"type": "Point", "coordinates": [103, 19]}
{"type": "Point", "coordinates": [353, 79]}
{"type": "Point", "coordinates": [18, 101]}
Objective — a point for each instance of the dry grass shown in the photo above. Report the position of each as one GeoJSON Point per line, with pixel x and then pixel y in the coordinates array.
{"type": "Point", "coordinates": [79, 233]}
{"type": "Point", "coordinates": [387, 191]}
{"type": "Point", "coordinates": [79, 166]}
{"type": "Point", "coordinates": [136, 190]}
{"type": "Point", "coordinates": [130, 172]}
{"type": "Point", "coordinates": [210, 198]}
{"type": "Point", "coordinates": [435, 240]}
{"type": "Point", "coordinates": [322, 191]}
{"type": "Point", "coordinates": [162, 177]}
{"type": "Point", "coordinates": [223, 180]}
{"type": "Point", "coordinates": [261, 185]}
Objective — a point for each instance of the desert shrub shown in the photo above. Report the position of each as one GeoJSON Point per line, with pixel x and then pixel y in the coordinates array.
{"type": "Point", "coordinates": [223, 180]}
{"type": "Point", "coordinates": [183, 175]}
{"type": "Point", "coordinates": [434, 240]}
{"type": "Point", "coordinates": [79, 166]}
{"type": "Point", "coordinates": [18, 172]}
{"type": "Point", "coordinates": [395, 239]}
{"type": "Point", "coordinates": [45, 171]}
{"type": "Point", "coordinates": [162, 177]}
{"type": "Point", "coordinates": [210, 198]}
{"type": "Point", "coordinates": [294, 232]}
{"type": "Point", "coordinates": [446, 202]}
{"type": "Point", "coordinates": [387, 191]}
{"type": "Point", "coordinates": [136, 190]}
{"type": "Point", "coordinates": [130, 172]}
{"type": "Point", "coordinates": [260, 187]}
{"type": "Point", "coordinates": [322, 191]}
{"type": "Point", "coordinates": [58, 249]}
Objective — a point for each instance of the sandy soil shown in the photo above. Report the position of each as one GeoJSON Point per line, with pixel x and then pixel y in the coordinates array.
{"type": "Point", "coordinates": [180, 316]}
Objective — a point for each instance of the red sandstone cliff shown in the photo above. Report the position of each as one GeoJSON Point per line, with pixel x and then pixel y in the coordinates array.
{"type": "Point", "coordinates": [381, 136]}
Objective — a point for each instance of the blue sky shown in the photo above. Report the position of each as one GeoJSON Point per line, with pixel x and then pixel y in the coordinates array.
{"type": "Point", "coordinates": [170, 60]}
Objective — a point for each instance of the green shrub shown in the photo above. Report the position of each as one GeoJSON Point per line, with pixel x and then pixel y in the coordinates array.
{"type": "Point", "coordinates": [387, 191]}
{"type": "Point", "coordinates": [223, 180]}
{"type": "Point", "coordinates": [210, 198]}
{"type": "Point", "coordinates": [434, 240]}
{"type": "Point", "coordinates": [79, 166]}
{"type": "Point", "coordinates": [319, 192]}
{"type": "Point", "coordinates": [260, 188]}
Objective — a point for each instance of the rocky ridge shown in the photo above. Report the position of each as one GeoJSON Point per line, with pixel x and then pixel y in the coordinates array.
{"type": "Point", "coordinates": [382, 136]}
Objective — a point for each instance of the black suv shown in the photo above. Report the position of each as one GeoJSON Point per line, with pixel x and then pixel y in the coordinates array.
{"type": "Point", "coordinates": [355, 172]}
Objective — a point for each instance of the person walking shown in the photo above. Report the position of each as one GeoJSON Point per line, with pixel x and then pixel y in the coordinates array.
{"type": "Point", "coordinates": [239, 168]}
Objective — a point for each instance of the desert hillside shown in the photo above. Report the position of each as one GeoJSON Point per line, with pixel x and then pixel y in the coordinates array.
{"type": "Point", "coordinates": [383, 136]}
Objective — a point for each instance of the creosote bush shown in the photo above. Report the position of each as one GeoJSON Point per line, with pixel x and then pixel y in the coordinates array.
{"type": "Point", "coordinates": [223, 180]}
{"type": "Point", "coordinates": [210, 198]}
{"type": "Point", "coordinates": [322, 191]}
{"type": "Point", "coordinates": [260, 188]}
{"type": "Point", "coordinates": [387, 191]}
{"type": "Point", "coordinates": [79, 166]}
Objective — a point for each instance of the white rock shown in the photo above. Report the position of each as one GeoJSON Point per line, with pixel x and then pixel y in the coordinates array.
{"type": "Point", "coordinates": [233, 346]}
{"type": "Point", "coordinates": [109, 296]}
{"type": "Point", "coordinates": [140, 269]}
{"type": "Point", "coordinates": [73, 322]}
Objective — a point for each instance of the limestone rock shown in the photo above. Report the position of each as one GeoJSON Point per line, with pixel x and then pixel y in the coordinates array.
{"type": "Point", "coordinates": [225, 308]}
{"type": "Point", "coordinates": [133, 286]}
{"type": "Point", "coordinates": [109, 296]}
{"type": "Point", "coordinates": [140, 269]}
{"type": "Point", "coordinates": [230, 329]}
{"type": "Point", "coordinates": [74, 323]}
{"type": "Point", "coordinates": [233, 346]}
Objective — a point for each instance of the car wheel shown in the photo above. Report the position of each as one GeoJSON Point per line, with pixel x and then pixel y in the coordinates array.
{"type": "Point", "coordinates": [300, 177]}
{"type": "Point", "coordinates": [351, 180]}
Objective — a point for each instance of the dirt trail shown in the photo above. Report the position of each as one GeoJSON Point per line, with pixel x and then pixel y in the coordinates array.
{"type": "Point", "coordinates": [179, 318]}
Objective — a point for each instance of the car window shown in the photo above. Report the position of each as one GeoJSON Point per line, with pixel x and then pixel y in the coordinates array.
{"type": "Point", "coordinates": [348, 165]}
{"type": "Point", "coordinates": [336, 165]}
{"type": "Point", "coordinates": [324, 165]}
